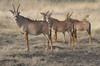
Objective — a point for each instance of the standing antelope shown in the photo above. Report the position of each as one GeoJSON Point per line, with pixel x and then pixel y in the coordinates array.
{"type": "Point", "coordinates": [83, 25]}
{"type": "Point", "coordinates": [55, 32]}
{"type": "Point", "coordinates": [29, 26]}
{"type": "Point", "coordinates": [61, 26]}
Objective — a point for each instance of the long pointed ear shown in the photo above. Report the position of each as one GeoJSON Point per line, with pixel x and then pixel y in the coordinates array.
{"type": "Point", "coordinates": [11, 11]}
{"type": "Point", "coordinates": [42, 13]}
{"type": "Point", "coordinates": [70, 14]}
{"type": "Point", "coordinates": [18, 8]}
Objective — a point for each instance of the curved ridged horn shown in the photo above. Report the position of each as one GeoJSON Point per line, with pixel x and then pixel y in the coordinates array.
{"type": "Point", "coordinates": [70, 14]}
{"type": "Point", "coordinates": [67, 14]}
{"type": "Point", "coordinates": [47, 12]}
{"type": "Point", "coordinates": [13, 7]}
{"type": "Point", "coordinates": [51, 13]}
{"type": "Point", "coordinates": [18, 7]}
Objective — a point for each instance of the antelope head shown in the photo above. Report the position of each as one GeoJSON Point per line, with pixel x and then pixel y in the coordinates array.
{"type": "Point", "coordinates": [49, 17]}
{"type": "Point", "coordinates": [68, 16]}
{"type": "Point", "coordinates": [44, 15]}
{"type": "Point", "coordinates": [15, 12]}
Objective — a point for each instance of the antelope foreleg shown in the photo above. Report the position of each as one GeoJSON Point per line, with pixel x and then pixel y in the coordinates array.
{"type": "Point", "coordinates": [55, 36]}
{"type": "Point", "coordinates": [75, 38]}
{"type": "Point", "coordinates": [70, 41]}
{"type": "Point", "coordinates": [50, 39]}
{"type": "Point", "coordinates": [64, 37]}
{"type": "Point", "coordinates": [26, 37]}
{"type": "Point", "coordinates": [47, 44]}
{"type": "Point", "coordinates": [90, 38]}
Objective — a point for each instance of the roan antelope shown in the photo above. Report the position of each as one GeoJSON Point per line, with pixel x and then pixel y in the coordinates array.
{"type": "Point", "coordinates": [83, 25]}
{"type": "Point", "coordinates": [32, 27]}
{"type": "Point", "coordinates": [61, 26]}
{"type": "Point", "coordinates": [55, 35]}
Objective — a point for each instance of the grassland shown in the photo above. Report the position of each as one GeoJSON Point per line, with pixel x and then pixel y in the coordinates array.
{"type": "Point", "coordinates": [12, 43]}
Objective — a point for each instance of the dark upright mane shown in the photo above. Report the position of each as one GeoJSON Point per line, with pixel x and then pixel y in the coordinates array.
{"type": "Point", "coordinates": [30, 20]}
{"type": "Point", "coordinates": [53, 19]}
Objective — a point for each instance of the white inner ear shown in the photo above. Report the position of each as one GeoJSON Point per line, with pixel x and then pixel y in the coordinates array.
{"type": "Point", "coordinates": [15, 17]}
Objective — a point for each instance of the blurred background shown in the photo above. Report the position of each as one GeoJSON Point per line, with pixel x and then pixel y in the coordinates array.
{"type": "Point", "coordinates": [32, 9]}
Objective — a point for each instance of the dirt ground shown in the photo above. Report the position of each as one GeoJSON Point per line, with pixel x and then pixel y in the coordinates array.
{"type": "Point", "coordinates": [12, 51]}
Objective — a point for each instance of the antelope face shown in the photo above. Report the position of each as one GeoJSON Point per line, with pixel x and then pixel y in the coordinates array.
{"type": "Point", "coordinates": [16, 15]}
{"type": "Point", "coordinates": [15, 12]}
{"type": "Point", "coordinates": [45, 15]}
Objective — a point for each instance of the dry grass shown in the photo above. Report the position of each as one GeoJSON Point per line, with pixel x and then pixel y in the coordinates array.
{"type": "Point", "coordinates": [33, 9]}
{"type": "Point", "coordinates": [12, 43]}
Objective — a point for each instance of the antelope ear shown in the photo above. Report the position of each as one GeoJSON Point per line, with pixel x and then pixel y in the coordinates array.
{"type": "Point", "coordinates": [67, 14]}
{"type": "Point", "coordinates": [41, 13]}
{"type": "Point", "coordinates": [11, 11]}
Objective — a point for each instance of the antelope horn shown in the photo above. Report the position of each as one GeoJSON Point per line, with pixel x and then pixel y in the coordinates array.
{"type": "Point", "coordinates": [18, 7]}
{"type": "Point", "coordinates": [70, 14]}
{"type": "Point", "coordinates": [13, 7]}
{"type": "Point", "coordinates": [51, 13]}
{"type": "Point", "coordinates": [67, 14]}
{"type": "Point", "coordinates": [47, 12]}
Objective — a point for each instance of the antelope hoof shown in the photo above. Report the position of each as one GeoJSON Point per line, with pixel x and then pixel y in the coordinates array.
{"type": "Point", "coordinates": [73, 49]}
{"type": "Point", "coordinates": [55, 40]}
{"type": "Point", "coordinates": [51, 49]}
{"type": "Point", "coordinates": [46, 49]}
{"type": "Point", "coordinates": [26, 50]}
